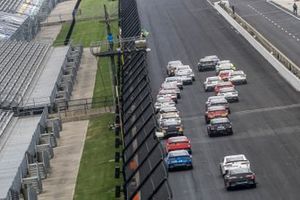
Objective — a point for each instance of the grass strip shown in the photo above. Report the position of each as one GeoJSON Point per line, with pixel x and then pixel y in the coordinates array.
{"type": "Point", "coordinates": [96, 173]}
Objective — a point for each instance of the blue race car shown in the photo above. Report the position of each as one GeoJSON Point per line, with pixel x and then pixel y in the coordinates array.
{"type": "Point", "coordinates": [179, 159]}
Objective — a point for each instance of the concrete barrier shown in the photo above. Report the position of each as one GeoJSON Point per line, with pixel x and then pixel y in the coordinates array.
{"type": "Point", "coordinates": [287, 69]}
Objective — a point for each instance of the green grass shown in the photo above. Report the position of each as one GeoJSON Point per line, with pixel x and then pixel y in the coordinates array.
{"type": "Point", "coordinates": [86, 32]}
{"type": "Point", "coordinates": [92, 8]}
{"type": "Point", "coordinates": [103, 84]}
{"type": "Point", "coordinates": [96, 173]}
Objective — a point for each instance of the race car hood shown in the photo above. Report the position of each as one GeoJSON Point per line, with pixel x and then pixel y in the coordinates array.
{"type": "Point", "coordinates": [220, 126]}
{"type": "Point", "coordinates": [212, 83]}
{"type": "Point", "coordinates": [230, 94]}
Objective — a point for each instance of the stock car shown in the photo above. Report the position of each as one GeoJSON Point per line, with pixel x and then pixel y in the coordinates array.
{"type": "Point", "coordinates": [175, 79]}
{"type": "Point", "coordinates": [224, 66]}
{"type": "Point", "coordinates": [178, 143]}
{"type": "Point", "coordinates": [238, 177]}
{"type": "Point", "coordinates": [171, 127]}
{"type": "Point", "coordinates": [211, 82]}
{"type": "Point", "coordinates": [215, 112]}
{"type": "Point", "coordinates": [224, 84]}
{"type": "Point", "coordinates": [218, 102]}
{"type": "Point", "coordinates": [208, 63]}
{"type": "Point", "coordinates": [186, 80]}
{"type": "Point", "coordinates": [224, 75]}
{"type": "Point", "coordinates": [178, 159]}
{"type": "Point", "coordinates": [168, 115]}
{"type": "Point", "coordinates": [211, 98]}
{"type": "Point", "coordinates": [219, 126]}
{"type": "Point", "coordinates": [230, 94]}
{"type": "Point", "coordinates": [168, 109]}
{"type": "Point", "coordinates": [171, 86]}
{"type": "Point", "coordinates": [159, 105]}
{"type": "Point", "coordinates": [167, 94]}
{"type": "Point", "coordinates": [186, 72]}
{"type": "Point", "coordinates": [238, 77]}
{"type": "Point", "coordinates": [171, 66]}
{"type": "Point", "coordinates": [233, 161]}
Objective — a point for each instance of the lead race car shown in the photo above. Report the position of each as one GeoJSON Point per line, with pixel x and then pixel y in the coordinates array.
{"type": "Point", "coordinates": [238, 177]}
{"type": "Point", "coordinates": [208, 63]}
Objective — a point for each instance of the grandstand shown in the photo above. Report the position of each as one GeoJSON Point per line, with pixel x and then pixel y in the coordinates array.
{"type": "Point", "coordinates": [20, 19]}
{"type": "Point", "coordinates": [26, 147]}
{"type": "Point", "coordinates": [35, 75]}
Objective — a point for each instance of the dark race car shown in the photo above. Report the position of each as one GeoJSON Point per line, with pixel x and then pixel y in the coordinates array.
{"type": "Point", "coordinates": [219, 126]}
{"type": "Point", "coordinates": [178, 159]}
{"type": "Point", "coordinates": [239, 177]}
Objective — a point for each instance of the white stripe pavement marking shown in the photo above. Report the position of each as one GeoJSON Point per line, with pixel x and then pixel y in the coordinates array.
{"type": "Point", "coordinates": [267, 109]}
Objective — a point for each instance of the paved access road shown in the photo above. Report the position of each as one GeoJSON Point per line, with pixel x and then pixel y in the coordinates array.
{"type": "Point", "coordinates": [265, 121]}
{"type": "Point", "coordinates": [278, 25]}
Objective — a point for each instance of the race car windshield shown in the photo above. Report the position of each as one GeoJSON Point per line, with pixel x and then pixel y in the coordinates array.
{"type": "Point", "coordinates": [219, 121]}
{"type": "Point", "coordinates": [179, 142]}
{"type": "Point", "coordinates": [179, 157]}
{"type": "Point", "coordinates": [239, 170]}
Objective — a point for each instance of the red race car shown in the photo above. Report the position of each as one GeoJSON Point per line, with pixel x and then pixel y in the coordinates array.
{"type": "Point", "coordinates": [178, 143]}
{"type": "Point", "coordinates": [223, 85]}
{"type": "Point", "coordinates": [214, 112]}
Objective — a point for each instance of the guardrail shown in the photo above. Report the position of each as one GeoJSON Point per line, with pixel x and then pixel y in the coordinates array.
{"type": "Point", "coordinates": [291, 66]}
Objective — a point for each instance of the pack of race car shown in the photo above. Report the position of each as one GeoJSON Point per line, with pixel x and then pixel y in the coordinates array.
{"type": "Point", "coordinates": [235, 169]}
{"type": "Point", "coordinates": [177, 146]}
{"type": "Point", "coordinates": [223, 85]}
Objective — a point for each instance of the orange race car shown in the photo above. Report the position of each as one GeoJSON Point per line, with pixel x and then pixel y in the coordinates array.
{"type": "Point", "coordinates": [178, 143]}
{"type": "Point", "coordinates": [215, 112]}
{"type": "Point", "coordinates": [223, 85]}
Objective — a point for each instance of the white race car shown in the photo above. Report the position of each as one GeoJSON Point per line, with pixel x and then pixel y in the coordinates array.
{"type": "Point", "coordinates": [172, 66]}
{"type": "Point", "coordinates": [208, 63]}
{"type": "Point", "coordinates": [186, 80]}
{"type": "Point", "coordinates": [234, 161]}
{"type": "Point", "coordinates": [175, 79]}
{"type": "Point", "coordinates": [171, 86]}
{"type": "Point", "coordinates": [159, 105]}
{"type": "Point", "coordinates": [224, 66]}
{"type": "Point", "coordinates": [211, 98]}
{"type": "Point", "coordinates": [185, 72]}
{"type": "Point", "coordinates": [211, 82]}
{"type": "Point", "coordinates": [238, 77]}
{"type": "Point", "coordinates": [168, 109]}
{"type": "Point", "coordinates": [169, 115]}
{"type": "Point", "coordinates": [230, 94]}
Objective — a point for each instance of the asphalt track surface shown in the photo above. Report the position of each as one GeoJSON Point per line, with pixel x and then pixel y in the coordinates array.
{"type": "Point", "coordinates": [265, 121]}
{"type": "Point", "coordinates": [279, 27]}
